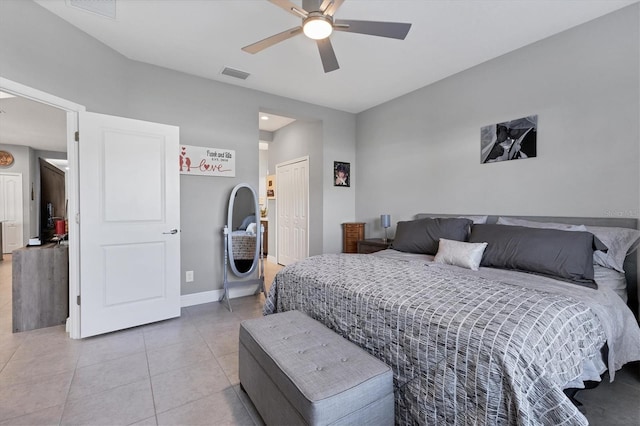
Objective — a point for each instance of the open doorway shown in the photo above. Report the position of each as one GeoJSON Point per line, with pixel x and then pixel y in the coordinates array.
{"type": "Point", "coordinates": [30, 131]}
{"type": "Point", "coordinates": [33, 134]}
{"type": "Point", "coordinates": [118, 133]}
{"type": "Point", "coordinates": [69, 111]}
{"type": "Point", "coordinates": [268, 124]}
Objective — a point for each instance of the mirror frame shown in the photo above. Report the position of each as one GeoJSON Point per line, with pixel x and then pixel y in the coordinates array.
{"type": "Point", "coordinates": [256, 255]}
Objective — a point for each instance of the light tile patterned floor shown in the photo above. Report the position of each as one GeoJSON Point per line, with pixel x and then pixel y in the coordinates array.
{"type": "Point", "coordinates": [177, 372]}
{"type": "Point", "coordinates": [182, 371]}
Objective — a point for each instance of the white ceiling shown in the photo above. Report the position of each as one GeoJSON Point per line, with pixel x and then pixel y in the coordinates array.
{"type": "Point", "coordinates": [273, 122]}
{"type": "Point", "coordinates": [28, 123]}
{"type": "Point", "coordinates": [201, 37]}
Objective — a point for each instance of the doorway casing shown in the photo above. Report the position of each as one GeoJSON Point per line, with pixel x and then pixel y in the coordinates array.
{"type": "Point", "coordinates": [72, 110]}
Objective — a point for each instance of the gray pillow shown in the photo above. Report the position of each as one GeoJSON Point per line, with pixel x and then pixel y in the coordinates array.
{"type": "Point", "coordinates": [562, 254]}
{"type": "Point", "coordinates": [246, 221]}
{"type": "Point", "coordinates": [423, 235]}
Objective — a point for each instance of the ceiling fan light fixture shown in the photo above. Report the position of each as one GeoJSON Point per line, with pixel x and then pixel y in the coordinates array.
{"type": "Point", "coordinates": [317, 26]}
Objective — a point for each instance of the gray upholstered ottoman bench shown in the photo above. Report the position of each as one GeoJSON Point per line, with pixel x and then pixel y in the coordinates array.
{"type": "Point", "coordinates": [296, 371]}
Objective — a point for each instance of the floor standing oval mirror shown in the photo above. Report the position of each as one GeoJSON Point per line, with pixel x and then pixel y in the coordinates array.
{"type": "Point", "coordinates": [243, 240]}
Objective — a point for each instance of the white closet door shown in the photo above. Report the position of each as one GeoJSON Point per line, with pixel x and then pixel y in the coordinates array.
{"type": "Point", "coordinates": [292, 206]}
{"type": "Point", "coordinates": [11, 206]}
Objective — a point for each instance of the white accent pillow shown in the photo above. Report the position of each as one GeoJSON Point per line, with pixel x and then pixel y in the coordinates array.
{"type": "Point", "coordinates": [465, 255]}
{"type": "Point", "coordinates": [251, 228]}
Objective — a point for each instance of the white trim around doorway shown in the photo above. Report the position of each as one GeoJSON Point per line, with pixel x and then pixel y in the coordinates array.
{"type": "Point", "coordinates": [72, 110]}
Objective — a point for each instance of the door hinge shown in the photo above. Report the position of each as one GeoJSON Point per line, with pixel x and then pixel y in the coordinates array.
{"type": "Point", "coordinates": [78, 218]}
{"type": "Point", "coordinates": [78, 300]}
{"type": "Point", "coordinates": [77, 136]}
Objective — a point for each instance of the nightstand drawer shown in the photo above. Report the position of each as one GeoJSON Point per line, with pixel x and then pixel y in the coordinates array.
{"type": "Point", "coordinates": [352, 232]}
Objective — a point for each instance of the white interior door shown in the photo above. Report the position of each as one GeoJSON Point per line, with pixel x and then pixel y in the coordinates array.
{"type": "Point", "coordinates": [292, 207]}
{"type": "Point", "coordinates": [11, 206]}
{"type": "Point", "coordinates": [129, 221]}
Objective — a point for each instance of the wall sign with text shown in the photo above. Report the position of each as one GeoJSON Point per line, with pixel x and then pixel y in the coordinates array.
{"type": "Point", "coordinates": [198, 160]}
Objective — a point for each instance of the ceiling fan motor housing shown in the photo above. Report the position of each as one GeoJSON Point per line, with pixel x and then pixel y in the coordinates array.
{"type": "Point", "coordinates": [317, 25]}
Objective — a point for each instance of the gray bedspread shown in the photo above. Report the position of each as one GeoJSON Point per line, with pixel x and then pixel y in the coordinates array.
{"type": "Point", "coordinates": [464, 348]}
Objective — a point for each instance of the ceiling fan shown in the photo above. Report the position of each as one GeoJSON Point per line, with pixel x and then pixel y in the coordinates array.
{"type": "Point", "coordinates": [318, 24]}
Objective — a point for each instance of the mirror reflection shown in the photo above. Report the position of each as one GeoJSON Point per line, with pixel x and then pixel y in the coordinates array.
{"type": "Point", "coordinates": [244, 233]}
{"type": "Point", "coordinates": [243, 241]}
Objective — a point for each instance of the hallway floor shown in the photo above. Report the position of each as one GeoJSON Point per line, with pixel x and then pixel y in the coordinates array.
{"type": "Point", "coordinates": [182, 371]}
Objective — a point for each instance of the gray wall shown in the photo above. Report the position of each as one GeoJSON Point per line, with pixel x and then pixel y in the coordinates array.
{"type": "Point", "coordinates": [421, 152]}
{"type": "Point", "coordinates": [42, 51]}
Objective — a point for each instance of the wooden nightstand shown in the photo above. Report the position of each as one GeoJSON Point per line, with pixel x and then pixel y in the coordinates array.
{"type": "Point", "coordinates": [352, 233]}
{"type": "Point", "coordinates": [373, 245]}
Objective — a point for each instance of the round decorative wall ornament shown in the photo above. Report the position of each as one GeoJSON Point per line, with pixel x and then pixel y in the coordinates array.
{"type": "Point", "coordinates": [6, 159]}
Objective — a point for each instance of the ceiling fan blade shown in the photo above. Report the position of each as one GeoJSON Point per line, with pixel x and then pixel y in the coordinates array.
{"type": "Point", "coordinates": [290, 7]}
{"type": "Point", "coordinates": [328, 56]}
{"type": "Point", "coordinates": [270, 41]}
{"type": "Point", "coordinates": [397, 30]}
{"type": "Point", "coordinates": [329, 7]}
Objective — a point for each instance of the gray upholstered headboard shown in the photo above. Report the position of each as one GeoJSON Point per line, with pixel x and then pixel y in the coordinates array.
{"type": "Point", "coordinates": [630, 263]}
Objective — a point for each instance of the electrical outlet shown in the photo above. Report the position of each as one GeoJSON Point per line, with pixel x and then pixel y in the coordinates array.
{"type": "Point", "coordinates": [189, 276]}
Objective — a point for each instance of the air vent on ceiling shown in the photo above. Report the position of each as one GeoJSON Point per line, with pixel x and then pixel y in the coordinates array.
{"type": "Point", "coordinates": [106, 8]}
{"type": "Point", "coordinates": [231, 72]}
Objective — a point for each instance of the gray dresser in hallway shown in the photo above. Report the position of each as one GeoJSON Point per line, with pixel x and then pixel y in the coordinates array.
{"type": "Point", "coordinates": [40, 286]}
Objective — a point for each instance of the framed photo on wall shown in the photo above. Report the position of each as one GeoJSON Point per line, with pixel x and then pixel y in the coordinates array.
{"type": "Point", "coordinates": [510, 140]}
{"type": "Point", "coordinates": [271, 187]}
{"type": "Point", "coordinates": [341, 174]}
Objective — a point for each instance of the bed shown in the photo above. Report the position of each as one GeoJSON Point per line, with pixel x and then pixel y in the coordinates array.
{"type": "Point", "coordinates": [485, 346]}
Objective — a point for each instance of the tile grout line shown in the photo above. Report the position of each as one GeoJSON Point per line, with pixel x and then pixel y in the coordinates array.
{"type": "Point", "coordinates": [146, 355]}
{"type": "Point", "coordinates": [66, 398]}
{"type": "Point", "coordinates": [226, 376]}
{"type": "Point", "coordinates": [184, 367]}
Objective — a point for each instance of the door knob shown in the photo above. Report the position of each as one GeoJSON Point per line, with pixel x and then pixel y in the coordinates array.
{"type": "Point", "coordinates": [173, 231]}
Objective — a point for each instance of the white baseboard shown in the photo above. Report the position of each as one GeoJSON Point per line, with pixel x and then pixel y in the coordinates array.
{"type": "Point", "coordinates": [214, 295]}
